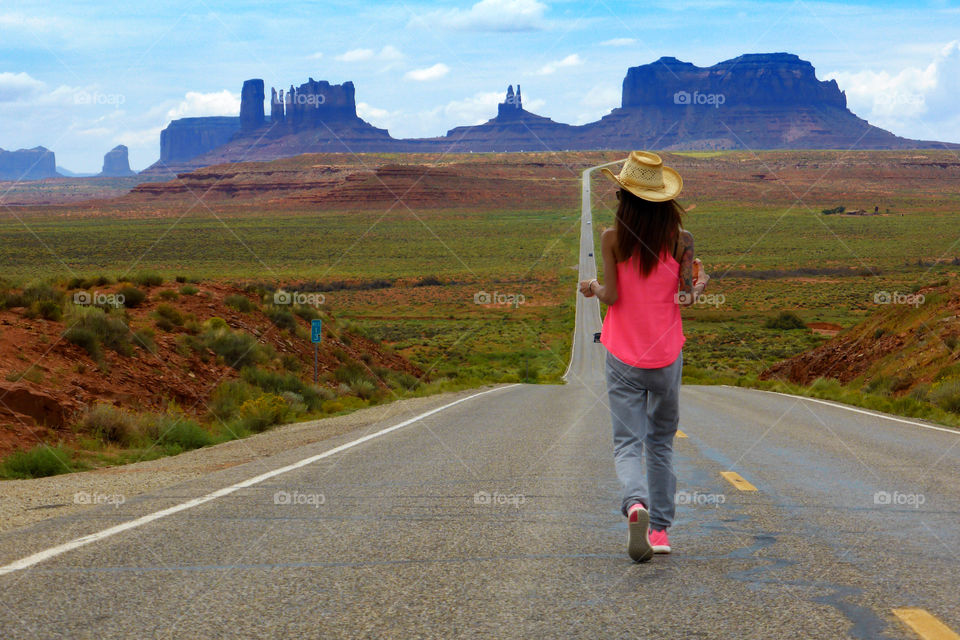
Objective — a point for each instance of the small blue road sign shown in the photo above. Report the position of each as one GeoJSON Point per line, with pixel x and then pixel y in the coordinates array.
{"type": "Point", "coordinates": [315, 330]}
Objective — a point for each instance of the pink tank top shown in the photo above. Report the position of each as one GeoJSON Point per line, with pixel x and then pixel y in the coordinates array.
{"type": "Point", "coordinates": [643, 327]}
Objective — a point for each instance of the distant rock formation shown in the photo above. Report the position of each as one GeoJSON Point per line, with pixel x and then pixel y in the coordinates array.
{"type": "Point", "coordinates": [251, 105]}
{"type": "Point", "coordinates": [756, 78]}
{"type": "Point", "coordinates": [316, 115]}
{"type": "Point", "coordinates": [511, 106]}
{"type": "Point", "coordinates": [188, 138]}
{"type": "Point", "coordinates": [514, 129]}
{"type": "Point", "coordinates": [28, 164]}
{"type": "Point", "coordinates": [756, 101]}
{"type": "Point", "coordinates": [312, 105]}
{"type": "Point", "coordinates": [116, 163]}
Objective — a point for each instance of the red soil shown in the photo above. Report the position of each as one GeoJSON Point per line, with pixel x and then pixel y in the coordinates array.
{"type": "Point", "coordinates": [70, 380]}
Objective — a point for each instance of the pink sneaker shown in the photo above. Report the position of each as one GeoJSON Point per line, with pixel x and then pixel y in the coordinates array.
{"type": "Point", "coordinates": [638, 544]}
{"type": "Point", "coordinates": [659, 541]}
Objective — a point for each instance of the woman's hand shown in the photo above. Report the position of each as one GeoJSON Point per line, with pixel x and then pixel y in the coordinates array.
{"type": "Point", "coordinates": [586, 288]}
{"type": "Point", "coordinates": [700, 275]}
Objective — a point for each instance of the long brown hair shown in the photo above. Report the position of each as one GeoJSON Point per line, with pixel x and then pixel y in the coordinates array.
{"type": "Point", "coordinates": [646, 229]}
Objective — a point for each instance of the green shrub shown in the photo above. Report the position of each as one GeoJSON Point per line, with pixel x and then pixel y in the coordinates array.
{"type": "Point", "coordinates": [363, 389]}
{"type": "Point", "coordinates": [237, 348]}
{"type": "Point", "coordinates": [48, 310]}
{"type": "Point", "coordinates": [177, 432]}
{"type": "Point", "coordinates": [132, 297]}
{"type": "Point", "coordinates": [111, 424]}
{"type": "Point", "coordinates": [405, 381]}
{"type": "Point", "coordinates": [228, 397]}
{"type": "Point", "coordinates": [350, 372]}
{"type": "Point", "coordinates": [188, 345]}
{"type": "Point", "coordinates": [32, 373]}
{"type": "Point", "coordinates": [143, 338]}
{"type": "Point", "coordinates": [947, 396]}
{"type": "Point", "coordinates": [260, 413]}
{"type": "Point", "coordinates": [279, 383]}
{"type": "Point", "coordinates": [282, 317]}
{"type": "Point", "coordinates": [240, 303]}
{"type": "Point", "coordinates": [306, 312]}
{"type": "Point", "coordinates": [920, 392]}
{"type": "Point", "coordinates": [785, 320]}
{"type": "Point", "coordinates": [168, 294]}
{"type": "Point", "coordinates": [86, 340]}
{"type": "Point", "coordinates": [39, 462]}
{"type": "Point", "coordinates": [86, 283]}
{"type": "Point", "coordinates": [41, 292]}
{"type": "Point", "coordinates": [189, 290]}
{"type": "Point", "coordinates": [109, 330]}
{"type": "Point", "coordinates": [167, 317]}
{"type": "Point", "coordinates": [291, 362]}
{"type": "Point", "coordinates": [147, 279]}
{"type": "Point", "coordinates": [215, 323]}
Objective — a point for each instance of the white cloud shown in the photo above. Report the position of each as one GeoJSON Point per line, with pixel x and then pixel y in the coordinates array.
{"type": "Point", "coordinates": [315, 56]}
{"type": "Point", "coordinates": [476, 109]}
{"type": "Point", "coordinates": [370, 113]}
{"type": "Point", "coordinates": [571, 60]}
{"type": "Point", "coordinates": [618, 42]}
{"type": "Point", "coordinates": [389, 53]}
{"type": "Point", "coordinates": [356, 55]}
{"type": "Point", "coordinates": [430, 73]}
{"type": "Point", "coordinates": [17, 86]}
{"type": "Point", "coordinates": [194, 104]}
{"type": "Point", "coordinates": [602, 97]}
{"type": "Point", "coordinates": [491, 15]}
{"type": "Point", "coordinates": [916, 102]}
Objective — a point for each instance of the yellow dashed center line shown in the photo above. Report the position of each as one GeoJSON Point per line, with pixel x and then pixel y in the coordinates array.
{"type": "Point", "coordinates": [737, 480]}
{"type": "Point", "coordinates": [681, 434]}
{"type": "Point", "coordinates": [925, 624]}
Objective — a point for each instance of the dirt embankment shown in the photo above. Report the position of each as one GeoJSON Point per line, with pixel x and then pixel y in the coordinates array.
{"type": "Point", "coordinates": [912, 339]}
{"type": "Point", "coordinates": [48, 380]}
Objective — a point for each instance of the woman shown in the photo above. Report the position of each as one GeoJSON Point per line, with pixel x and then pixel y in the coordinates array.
{"type": "Point", "coordinates": [650, 270]}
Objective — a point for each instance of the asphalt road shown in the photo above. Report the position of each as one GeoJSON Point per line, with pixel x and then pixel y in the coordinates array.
{"type": "Point", "coordinates": [499, 517]}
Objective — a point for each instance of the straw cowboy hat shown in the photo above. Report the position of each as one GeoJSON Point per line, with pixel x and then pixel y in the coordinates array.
{"type": "Point", "coordinates": [644, 175]}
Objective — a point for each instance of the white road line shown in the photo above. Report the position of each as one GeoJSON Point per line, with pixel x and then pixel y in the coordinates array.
{"type": "Point", "coordinates": [46, 554]}
{"type": "Point", "coordinates": [955, 432]}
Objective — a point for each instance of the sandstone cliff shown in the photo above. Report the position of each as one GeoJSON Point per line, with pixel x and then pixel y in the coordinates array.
{"type": "Point", "coordinates": [28, 164]}
{"type": "Point", "coordinates": [754, 101]}
{"type": "Point", "coordinates": [116, 163]}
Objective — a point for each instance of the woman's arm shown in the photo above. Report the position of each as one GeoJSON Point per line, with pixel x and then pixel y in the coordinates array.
{"type": "Point", "coordinates": [693, 277]}
{"type": "Point", "coordinates": [606, 293]}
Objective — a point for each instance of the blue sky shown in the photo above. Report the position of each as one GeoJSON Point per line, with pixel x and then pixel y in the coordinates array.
{"type": "Point", "coordinates": [82, 77]}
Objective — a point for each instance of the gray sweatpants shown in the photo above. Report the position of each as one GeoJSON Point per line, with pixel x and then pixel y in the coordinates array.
{"type": "Point", "coordinates": [645, 408]}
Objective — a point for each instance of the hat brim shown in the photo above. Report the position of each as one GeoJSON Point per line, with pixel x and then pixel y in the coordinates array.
{"type": "Point", "coordinates": [672, 186]}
